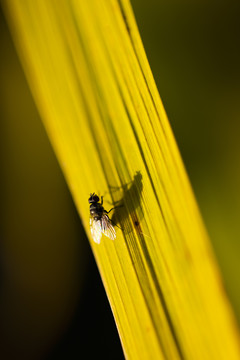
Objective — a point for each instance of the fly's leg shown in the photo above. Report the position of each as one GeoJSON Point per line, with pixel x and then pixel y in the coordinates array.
{"type": "Point", "coordinates": [115, 224]}
{"type": "Point", "coordinates": [107, 212]}
{"type": "Point", "coordinates": [110, 210]}
{"type": "Point", "coordinates": [115, 207]}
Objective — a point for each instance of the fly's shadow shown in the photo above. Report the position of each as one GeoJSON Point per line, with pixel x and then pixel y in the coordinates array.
{"type": "Point", "coordinates": [128, 204]}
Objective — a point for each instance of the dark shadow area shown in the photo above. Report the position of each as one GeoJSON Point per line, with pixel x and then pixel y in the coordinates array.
{"type": "Point", "coordinates": [92, 333]}
{"type": "Point", "coordinates": [129, 203]}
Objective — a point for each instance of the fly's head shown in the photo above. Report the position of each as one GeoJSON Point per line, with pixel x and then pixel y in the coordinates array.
{"type": "Point", "coordinates": [93, 198]}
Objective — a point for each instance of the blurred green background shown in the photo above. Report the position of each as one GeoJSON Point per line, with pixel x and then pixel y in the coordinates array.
{"type": "Point", "coordinates": [52, 301]}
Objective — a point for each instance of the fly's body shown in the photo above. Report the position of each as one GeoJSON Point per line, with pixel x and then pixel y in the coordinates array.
{"type": "Point", "coordinates": [99, 220]}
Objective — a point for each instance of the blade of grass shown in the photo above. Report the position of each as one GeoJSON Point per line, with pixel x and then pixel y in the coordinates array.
{"type": "Point", "coordinates": [89, 75]}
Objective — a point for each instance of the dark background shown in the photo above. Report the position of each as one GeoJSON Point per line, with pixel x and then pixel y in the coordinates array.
{"type": "Point", "coordinates": [52, 302]}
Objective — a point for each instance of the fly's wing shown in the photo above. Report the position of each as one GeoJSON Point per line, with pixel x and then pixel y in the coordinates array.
{"type": "Point", "coordinates": [107, 228]}
{"type": "Point", "coordinates": [96, 230]}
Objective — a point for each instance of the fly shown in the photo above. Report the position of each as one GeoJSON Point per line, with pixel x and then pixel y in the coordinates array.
{"type": "Point", "coordinates": [99, 220]}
